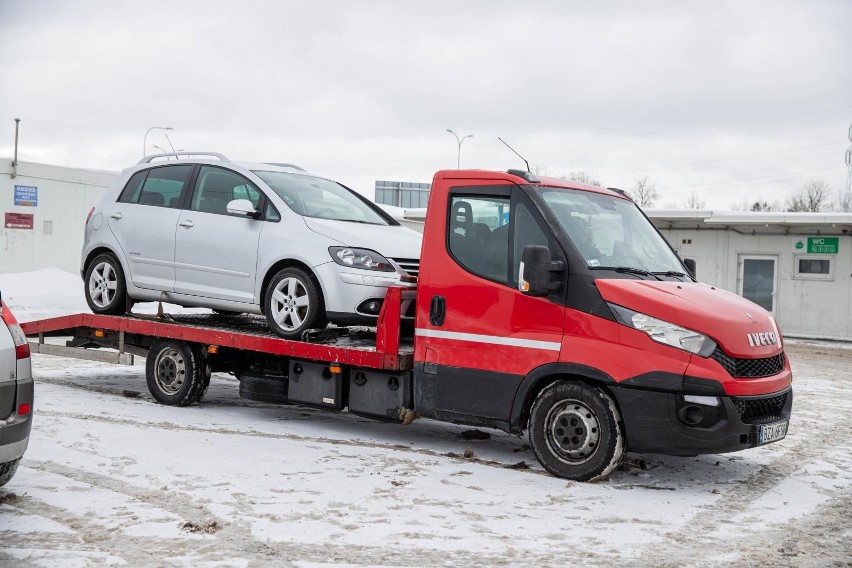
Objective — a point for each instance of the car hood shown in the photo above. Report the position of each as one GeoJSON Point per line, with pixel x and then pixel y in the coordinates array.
{"type": "Point", "coordinates": [738, 325]}
{"type": "Point", "coordinates": [391, 241]}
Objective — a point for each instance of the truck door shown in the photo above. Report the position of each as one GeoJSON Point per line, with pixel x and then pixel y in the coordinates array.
{"type": "Point", "coordinates": [481, 335]}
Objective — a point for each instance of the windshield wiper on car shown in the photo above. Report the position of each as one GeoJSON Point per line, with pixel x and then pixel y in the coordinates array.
{"type": "Point", "coordinates": [670, 273]}
{"type": "Point", "coordinates": [627, 269]}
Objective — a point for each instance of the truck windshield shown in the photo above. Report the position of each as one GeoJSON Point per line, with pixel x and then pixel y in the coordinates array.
{"type": "Point", "coordinates": [610, 232]}
{"type": "Point", "coordinates": [311, 196]}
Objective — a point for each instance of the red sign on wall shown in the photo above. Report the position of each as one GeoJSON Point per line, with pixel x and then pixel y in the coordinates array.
{"type": "Point", "coordinates": [19, 221]}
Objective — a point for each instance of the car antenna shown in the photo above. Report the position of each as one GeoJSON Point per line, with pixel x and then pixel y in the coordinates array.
{"type": "Point", "coordinates": [513, 150]}
{"type": "Point", "coordinates": [172, 146]}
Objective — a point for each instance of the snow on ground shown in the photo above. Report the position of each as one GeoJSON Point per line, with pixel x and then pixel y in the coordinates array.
{"type": "Point", "coordinates": [113, 478]}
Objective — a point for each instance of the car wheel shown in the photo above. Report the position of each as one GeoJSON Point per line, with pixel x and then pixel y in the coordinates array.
{"type": "Point", "coordinates": [7, 471]}
{"type": "Point", "coordinates": [293, 303]}
{"type": "Point", "coordinates": [176, 374]}
{"type": "Point", "coordinates": [106, 292]}
{"type": "Point", "coordinates": [575, 431]}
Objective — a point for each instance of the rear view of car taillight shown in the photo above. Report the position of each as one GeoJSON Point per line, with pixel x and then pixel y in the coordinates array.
{"type": "Point", "coordinates": [22, 347]}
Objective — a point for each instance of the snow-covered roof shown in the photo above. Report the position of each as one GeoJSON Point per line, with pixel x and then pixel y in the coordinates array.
{"type": "Point", "coordinates": [750, 218]}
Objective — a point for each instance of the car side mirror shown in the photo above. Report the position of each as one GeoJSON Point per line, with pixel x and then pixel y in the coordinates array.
{"type": "Point", "coordinates": [537, 271]}
{"type": "Point", "coordinates": [689, 263]}
{"type": "Point", "coordinates": [242, 208]}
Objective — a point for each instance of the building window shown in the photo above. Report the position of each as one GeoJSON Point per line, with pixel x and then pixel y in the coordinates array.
{"type": "Point", "coordinates": [814, 268]}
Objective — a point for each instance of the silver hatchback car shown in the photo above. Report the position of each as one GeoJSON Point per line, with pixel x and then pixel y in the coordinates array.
{"type": "Point", "coordinates": [266, 239]}
{"type": "Point", "coordinates": [16, 394]}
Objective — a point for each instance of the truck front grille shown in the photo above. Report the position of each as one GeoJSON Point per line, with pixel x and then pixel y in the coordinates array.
{"type": "Point", "coordinates": [749, 368]}
{"type": "Point", "coordinates": [410, 265]}
{"type": "Point", "coordinates": [760, 410]}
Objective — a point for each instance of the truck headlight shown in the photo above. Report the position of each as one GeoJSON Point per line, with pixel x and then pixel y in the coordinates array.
{"type": "Point", "coordinates": [364, 259]}
{"type": "Point", "coordinates": [665, 332]}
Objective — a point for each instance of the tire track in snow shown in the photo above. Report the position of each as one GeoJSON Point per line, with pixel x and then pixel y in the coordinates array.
{"type": "Point", "coordinates": [291, 437]}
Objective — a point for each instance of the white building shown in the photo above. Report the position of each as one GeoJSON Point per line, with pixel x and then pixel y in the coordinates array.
{"type": "Point", "coordinates": [44, 210]}
{"type": "Point", "coordinates": [796, 265]}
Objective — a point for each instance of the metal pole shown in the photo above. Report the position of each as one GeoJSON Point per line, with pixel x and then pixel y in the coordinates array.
{"type": "Point", "coordinates": [459, 141]}
{"type": "Point", "coordinates": [145, 138]}
{"type": "Point", "coordinates": [15, 159]}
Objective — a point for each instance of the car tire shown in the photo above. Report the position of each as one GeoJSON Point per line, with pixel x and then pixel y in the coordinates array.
{"type": "Point", "coordinates": [263, 389]}
{"type": "Point", "coordinates": [7, 471]}
{"type": "Point", "coordinates": [177, 375]}
{"type": "Point", "coordinates": [293, 303]}
{"type": "Point", "coordinates": [575, 431]}
{"type": "Point", "coordinates": [105, 286]}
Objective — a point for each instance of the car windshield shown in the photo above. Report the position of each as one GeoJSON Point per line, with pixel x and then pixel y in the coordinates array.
{"type": "Point", "coordinates": [311, 196]}
{"type": "Point", "coordinates": [610, 232]}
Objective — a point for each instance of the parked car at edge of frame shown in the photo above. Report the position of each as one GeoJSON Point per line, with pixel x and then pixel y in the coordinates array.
{"type": "Point", "coordinates": [16, 394]}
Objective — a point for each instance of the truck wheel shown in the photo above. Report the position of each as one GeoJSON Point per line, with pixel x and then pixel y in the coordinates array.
{"type": "Point", "coordinates": [105, 285]}
{"type": "Point", "coordinates": [7, 471]}
{"type": "Point", "coordinates": [575, 431]}
{"type": "Point", "coordinates": [293, 303]}
{"type": "Point", "coordinates": [263, 389]}
{"type": "Point", "coordinates": [176, 374]}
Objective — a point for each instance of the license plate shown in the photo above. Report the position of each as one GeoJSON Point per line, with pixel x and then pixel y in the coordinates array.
{"type": "Point", "coordinates": [773, 432]}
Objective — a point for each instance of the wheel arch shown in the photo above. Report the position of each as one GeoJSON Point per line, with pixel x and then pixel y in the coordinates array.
{"type": "Point", "coordinates": [542, 377]}
{"type": "Point", "coordinates": [281, 265]}
{"type": "Point", "coordinates": [103, 250]}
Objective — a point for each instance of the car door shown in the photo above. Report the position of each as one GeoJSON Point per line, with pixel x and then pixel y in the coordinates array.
{"type": "Point", "coordinates": [216, 253]}
{"type": "Point", "coordinates": [143, 221]}
{"type": "Point", "coordinates": [491, 335]}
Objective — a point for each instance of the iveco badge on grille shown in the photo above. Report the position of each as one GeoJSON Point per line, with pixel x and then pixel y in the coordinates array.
{"type": "Point", "coordinates": [762, 338]}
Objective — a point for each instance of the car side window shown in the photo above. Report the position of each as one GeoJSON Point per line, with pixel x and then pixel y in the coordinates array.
{"type": "Point", "coordinates": [216, 187]}
{"type": "Point", "coordinates": [131, 191]}
{"type": "Point", "coordinates": [162, 187]}
{"type": "Point", "coordinates": [479, 235]}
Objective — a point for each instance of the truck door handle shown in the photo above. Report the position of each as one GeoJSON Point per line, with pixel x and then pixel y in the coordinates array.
{"type": "Point", "coordinates": [188, 224]}
{"type": "Point", "coordinates": [117, 215]}
{"type": "Point", "coordinates": [437, 310]}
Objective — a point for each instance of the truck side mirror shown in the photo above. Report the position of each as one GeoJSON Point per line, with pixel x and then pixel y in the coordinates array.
{"type": "Point", "coordinates": [690, 266]}
{"type": "Point", "coordinates": [535, 276]}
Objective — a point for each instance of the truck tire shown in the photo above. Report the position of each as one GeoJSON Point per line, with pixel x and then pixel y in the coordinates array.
{"type": "Point", "coordinates": [293, 303]}
{"type": "Point", "coordinates": [575, 431]}
{"type": "Point", "coordinates": [105, 287]}
{"type": "Point", "coordinates": [175, 373]}
{"type": "Point", "coordinates": [7, 471]}
{"type": "Point", "coordinates": [205, 380]}
{"type": "Point", "coordinates": [263, 389]}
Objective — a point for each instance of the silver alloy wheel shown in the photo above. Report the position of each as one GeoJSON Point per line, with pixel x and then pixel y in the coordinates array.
{"type": "Point", "coordinates": [170, 371]}
{"type": "Point", "coordinates": [103, 284]}
{"type": "Point", "coordinates": [572, 431]}
{"type": "Point", "coordinates": [290, 303]}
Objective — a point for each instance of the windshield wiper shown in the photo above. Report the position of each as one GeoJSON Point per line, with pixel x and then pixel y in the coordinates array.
{"type": "Point", "coordinates": [670, 273]}
{"type": "Point", "coordinates": [627, 269]}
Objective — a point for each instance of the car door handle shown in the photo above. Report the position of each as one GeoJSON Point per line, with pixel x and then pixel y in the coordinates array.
{"type": "Point", "coordinates": [188, 224]}
{"type": "Point", "coordinates": [437, 310]}
{"type": "Point", "coordinates": [116, 216]}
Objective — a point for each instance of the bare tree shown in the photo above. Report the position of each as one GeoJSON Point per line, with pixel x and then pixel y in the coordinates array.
{"type": "Point", "coordinates": [695, 201]}
{"type": "Point", "coordinates": [813, 197]}
{"type": "Point", "coordinates": [584, 177]}
{"type": "Point", "coordinates": [644, 192]}
{"type": "Point", "coordinates": [844, 201]}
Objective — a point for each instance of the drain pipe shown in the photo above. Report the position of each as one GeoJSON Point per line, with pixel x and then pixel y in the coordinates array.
{"type": "Point", "coordinates": [15, 159]}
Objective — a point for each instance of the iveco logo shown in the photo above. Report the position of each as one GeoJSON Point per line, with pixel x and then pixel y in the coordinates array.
{"type": "Point", "coordinates": [758, 339]}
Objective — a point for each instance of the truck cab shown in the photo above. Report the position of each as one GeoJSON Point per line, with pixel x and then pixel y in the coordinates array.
{"type": "Point", "coordinates": [557, 307]}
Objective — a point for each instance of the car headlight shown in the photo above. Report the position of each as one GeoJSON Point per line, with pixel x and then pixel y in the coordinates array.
{"type": "Point", "coordinates": [364, 259]}
{"type": "Point", "coordinates": [665, 332]}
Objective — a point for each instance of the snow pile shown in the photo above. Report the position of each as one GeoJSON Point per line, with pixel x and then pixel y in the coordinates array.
{"type": "Point", "coordinates": [43, 293]}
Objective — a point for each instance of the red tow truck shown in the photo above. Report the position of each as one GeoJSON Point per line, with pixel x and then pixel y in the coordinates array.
{"type": "Point", "coordinates": [541, 304]}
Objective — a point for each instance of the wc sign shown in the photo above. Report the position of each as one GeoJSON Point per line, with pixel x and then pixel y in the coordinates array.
{"type": "Point", "coordinates": [816, 245]}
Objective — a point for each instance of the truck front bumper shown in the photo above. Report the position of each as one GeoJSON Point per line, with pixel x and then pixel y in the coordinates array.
{"type": "Point", "coordinates": [664, 423]}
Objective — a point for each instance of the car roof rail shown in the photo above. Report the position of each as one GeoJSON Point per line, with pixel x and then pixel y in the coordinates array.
{"type": "Point", "coordinates": [176, 155]}
{"type": "Point", "coordinates": [283, 165]}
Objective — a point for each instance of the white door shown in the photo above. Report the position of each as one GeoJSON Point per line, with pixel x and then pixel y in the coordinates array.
{"type": "Point", "coordinates": [143, 221]}
{"type": "Point", "coordinates": [216, 253]}
{"type": "Point", "coordinates": [758, 279]}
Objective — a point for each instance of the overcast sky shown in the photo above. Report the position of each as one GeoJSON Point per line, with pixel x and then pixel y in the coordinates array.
{"type": "Point", "coordinates": [730, 100]}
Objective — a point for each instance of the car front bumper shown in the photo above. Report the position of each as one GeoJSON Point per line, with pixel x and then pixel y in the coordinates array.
{"type": "Point", "coordinates": [654, 421]}
{"type": "Point", "coordinates": [344, 290]}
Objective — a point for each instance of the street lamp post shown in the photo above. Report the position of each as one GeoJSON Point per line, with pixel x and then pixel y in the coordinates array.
{"type": "Point", "coordinates": [459, 140]}
{"type": "Point", "coordinates": [145, 139]}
